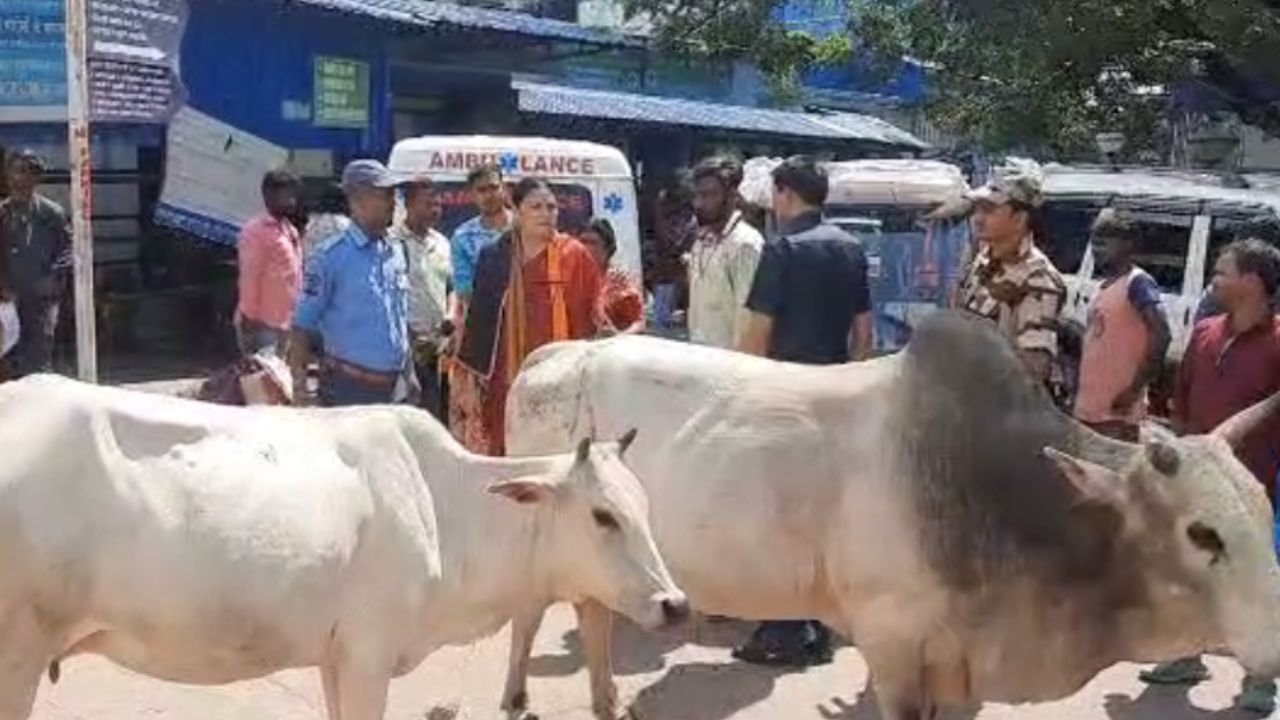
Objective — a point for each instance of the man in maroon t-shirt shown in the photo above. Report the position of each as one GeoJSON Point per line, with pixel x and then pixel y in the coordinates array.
{"type": "Point", "coordinates": [1232, 361]}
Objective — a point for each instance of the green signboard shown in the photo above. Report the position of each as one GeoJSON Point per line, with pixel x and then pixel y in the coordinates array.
{"type": "Point", "coordinates": [341, 93]}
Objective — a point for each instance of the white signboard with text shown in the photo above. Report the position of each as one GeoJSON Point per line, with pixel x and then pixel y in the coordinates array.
{"type": "Point", "coordinates": [213, 176]}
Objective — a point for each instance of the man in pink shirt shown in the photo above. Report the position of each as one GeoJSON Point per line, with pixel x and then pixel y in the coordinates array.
{"type": "Point", "coordinates": [270, 268]}
{"type": "Point", "coordinates": [1126, 338]}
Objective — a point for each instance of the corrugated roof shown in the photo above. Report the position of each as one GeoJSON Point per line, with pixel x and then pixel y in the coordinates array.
{"type": "Point", "coordinates": [871, 128]}
{"type": "Point", "coordinates": [431, 14]}
{"type": "Point", "coordinates": [631, 107]}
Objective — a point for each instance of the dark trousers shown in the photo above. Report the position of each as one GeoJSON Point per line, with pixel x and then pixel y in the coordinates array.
{"type": "Point", "coordinates": [38, 320]}
{"type": "Point", "coordinates": [338, 389]}
{"type": "Point", "coordinates": [255, 337]}
{"type": "Point", "coordinates": [435, 389]}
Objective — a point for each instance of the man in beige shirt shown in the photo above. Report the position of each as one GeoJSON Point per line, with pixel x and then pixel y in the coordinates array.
{"type": "Point", "coordinates": [427, 253]}
{"type": "Point", "coordinates": [722, 263]}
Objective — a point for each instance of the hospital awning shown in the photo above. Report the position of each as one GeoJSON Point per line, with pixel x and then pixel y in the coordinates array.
{"type": "Point", "coordinates": [548, 99]}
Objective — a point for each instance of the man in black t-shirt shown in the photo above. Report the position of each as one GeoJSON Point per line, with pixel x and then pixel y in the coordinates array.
{"type": "Point", "coordinates": [810, 303]}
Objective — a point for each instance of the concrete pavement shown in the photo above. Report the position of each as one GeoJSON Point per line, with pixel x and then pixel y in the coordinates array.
{"type": "Point", "coordinates": [661, 676]}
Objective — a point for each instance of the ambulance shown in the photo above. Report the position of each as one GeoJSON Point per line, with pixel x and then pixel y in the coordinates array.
{"type": "Point", "coordinates": [590, 180]}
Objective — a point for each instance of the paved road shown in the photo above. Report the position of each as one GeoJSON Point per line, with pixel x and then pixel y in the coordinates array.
{"type": "Point", "coordinates": [662, 677]}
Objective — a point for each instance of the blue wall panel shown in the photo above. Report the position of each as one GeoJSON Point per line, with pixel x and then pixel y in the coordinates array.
{"type": "Point", "coordinates": [243, 59]}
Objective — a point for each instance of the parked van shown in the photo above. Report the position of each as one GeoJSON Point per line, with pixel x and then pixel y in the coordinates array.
{"type": "Point", "coordinates": [1183, 218]}
{"type": "Point", "coordinates": [590, 180]}
{"type": "Point", "coordinates": [911, 218]}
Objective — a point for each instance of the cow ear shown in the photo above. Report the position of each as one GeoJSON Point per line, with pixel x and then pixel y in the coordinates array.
{"type": "Point", "coordinates": [625, 441]}
{"type": "Point", "coordinates": [1092, 481]}
{"type": "Point", "coordinates": [524, 490]}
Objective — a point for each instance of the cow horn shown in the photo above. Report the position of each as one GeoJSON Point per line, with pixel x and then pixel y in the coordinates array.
{"type": "Point", "coordinates": [625, 441]}
{"type": "Point", "coordinates": [1237, 428]}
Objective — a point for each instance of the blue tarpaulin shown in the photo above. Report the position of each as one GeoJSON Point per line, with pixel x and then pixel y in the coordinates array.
{"type": "Point", "coordinates": [910, 274]}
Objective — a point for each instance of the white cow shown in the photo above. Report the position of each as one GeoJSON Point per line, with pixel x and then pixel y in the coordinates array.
{"type": "Point", "coordinates": [979, 545]}
{"type": "Point", "coordinates": [208, 544]}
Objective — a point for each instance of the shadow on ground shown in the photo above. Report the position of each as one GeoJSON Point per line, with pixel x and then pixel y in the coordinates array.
{"type": "Point", "coordinates": [864, 707]}
{"type": "Point", "coordinates": [636, 651]}
{"type": "Point", "coordinates": [705, 691]}
{"type": "Point", "coordinates": [1166, 703]}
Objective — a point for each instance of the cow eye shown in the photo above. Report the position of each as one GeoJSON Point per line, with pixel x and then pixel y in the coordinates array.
{"type": "Point", "coordinates": [1207, 539]}
{"type": "Point", "coordinates": [605, 519]}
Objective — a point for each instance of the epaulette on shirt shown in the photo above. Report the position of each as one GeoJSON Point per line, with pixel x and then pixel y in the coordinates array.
{"type": "Point", "coordinates": [324, 245]}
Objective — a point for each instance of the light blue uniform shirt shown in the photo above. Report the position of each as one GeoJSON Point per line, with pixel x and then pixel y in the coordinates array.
{"type": "Point", "coordinates": [355, 293]}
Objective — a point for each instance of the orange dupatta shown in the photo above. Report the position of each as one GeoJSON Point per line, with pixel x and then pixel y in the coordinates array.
{"type": "Point", "coordinates": [515, 316]}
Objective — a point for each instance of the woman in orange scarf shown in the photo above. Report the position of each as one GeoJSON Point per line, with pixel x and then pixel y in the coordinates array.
{"type": "Point", "coordinates": [532, 287]}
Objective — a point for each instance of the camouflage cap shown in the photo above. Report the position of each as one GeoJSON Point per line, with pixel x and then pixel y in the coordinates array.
{"type": "Point", "coordinates": [1018, 180]}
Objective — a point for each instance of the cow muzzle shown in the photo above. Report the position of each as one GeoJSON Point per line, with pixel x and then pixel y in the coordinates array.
{"type": "Point", "coordinates": [675, 609]}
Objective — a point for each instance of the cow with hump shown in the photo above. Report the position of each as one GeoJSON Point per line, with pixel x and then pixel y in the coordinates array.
{"type": "Point", "coordinates": [934, 506]}
{"type": "Point", "coordinates": [208, 544]}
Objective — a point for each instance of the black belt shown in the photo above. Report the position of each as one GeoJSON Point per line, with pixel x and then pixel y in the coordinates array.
{"type": "Point", "coordinates": [355, 372]}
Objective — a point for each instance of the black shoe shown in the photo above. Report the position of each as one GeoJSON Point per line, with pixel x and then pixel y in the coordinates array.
{"type": "Point", "coordinates": [759, 653]}
{"type": "Point", "coordinates": [819, 653]}
{"type": "Point", "coordinates": [789, 644]}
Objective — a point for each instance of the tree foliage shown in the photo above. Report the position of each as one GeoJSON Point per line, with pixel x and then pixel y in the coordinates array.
{"type": "Point", "coordinates": [1039, 75]}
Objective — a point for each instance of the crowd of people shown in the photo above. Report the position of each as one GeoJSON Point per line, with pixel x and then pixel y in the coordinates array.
{"type": "Point", "coordinates": [395, 311]}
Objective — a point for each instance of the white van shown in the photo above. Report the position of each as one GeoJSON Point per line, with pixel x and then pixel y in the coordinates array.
{"type": "Point", "coordinates": [1183, 218]}
{"type": "Point", "coordinates": [590, 180]}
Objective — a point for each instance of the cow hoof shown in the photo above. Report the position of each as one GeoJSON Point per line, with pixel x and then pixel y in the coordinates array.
{"type": "Point", "coordinates": [517, 702]}
{"type": "Point", "coordinates": [605, 707]}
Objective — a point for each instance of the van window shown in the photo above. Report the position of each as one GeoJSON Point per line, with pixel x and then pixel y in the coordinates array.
{"type": "Point", "coordinates": [1066, 233]}
{"type": "Point", "coordinates": [576, 205]}
{"type": "Point", "coordinates": [1222, 232]}
{"type": "Point", "coordinates": [1161, 248]}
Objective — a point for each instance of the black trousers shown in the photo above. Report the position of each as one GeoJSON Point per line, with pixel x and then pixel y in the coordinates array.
{"type": "Point", "coordinates": [435, 388]}
{"type": "Point", "coordinates": [38, 321]}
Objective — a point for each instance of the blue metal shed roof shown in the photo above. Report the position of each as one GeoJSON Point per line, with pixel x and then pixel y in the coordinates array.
{"type": "Point", "coordinates": [427, 13]}
{"type": "Point", "coordinates": [560, 100]}
{"type": "Point", "coordinates": [870, 128]}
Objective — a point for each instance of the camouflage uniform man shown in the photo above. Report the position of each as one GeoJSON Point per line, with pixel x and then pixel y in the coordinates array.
{"type": "Point", "coordinates": [1011, 282]}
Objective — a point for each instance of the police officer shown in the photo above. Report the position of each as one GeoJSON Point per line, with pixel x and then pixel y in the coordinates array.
{"type": "Point", "coordinates": [355, 297]}
{"type": "Point", "coordinates": [1011, 282]}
